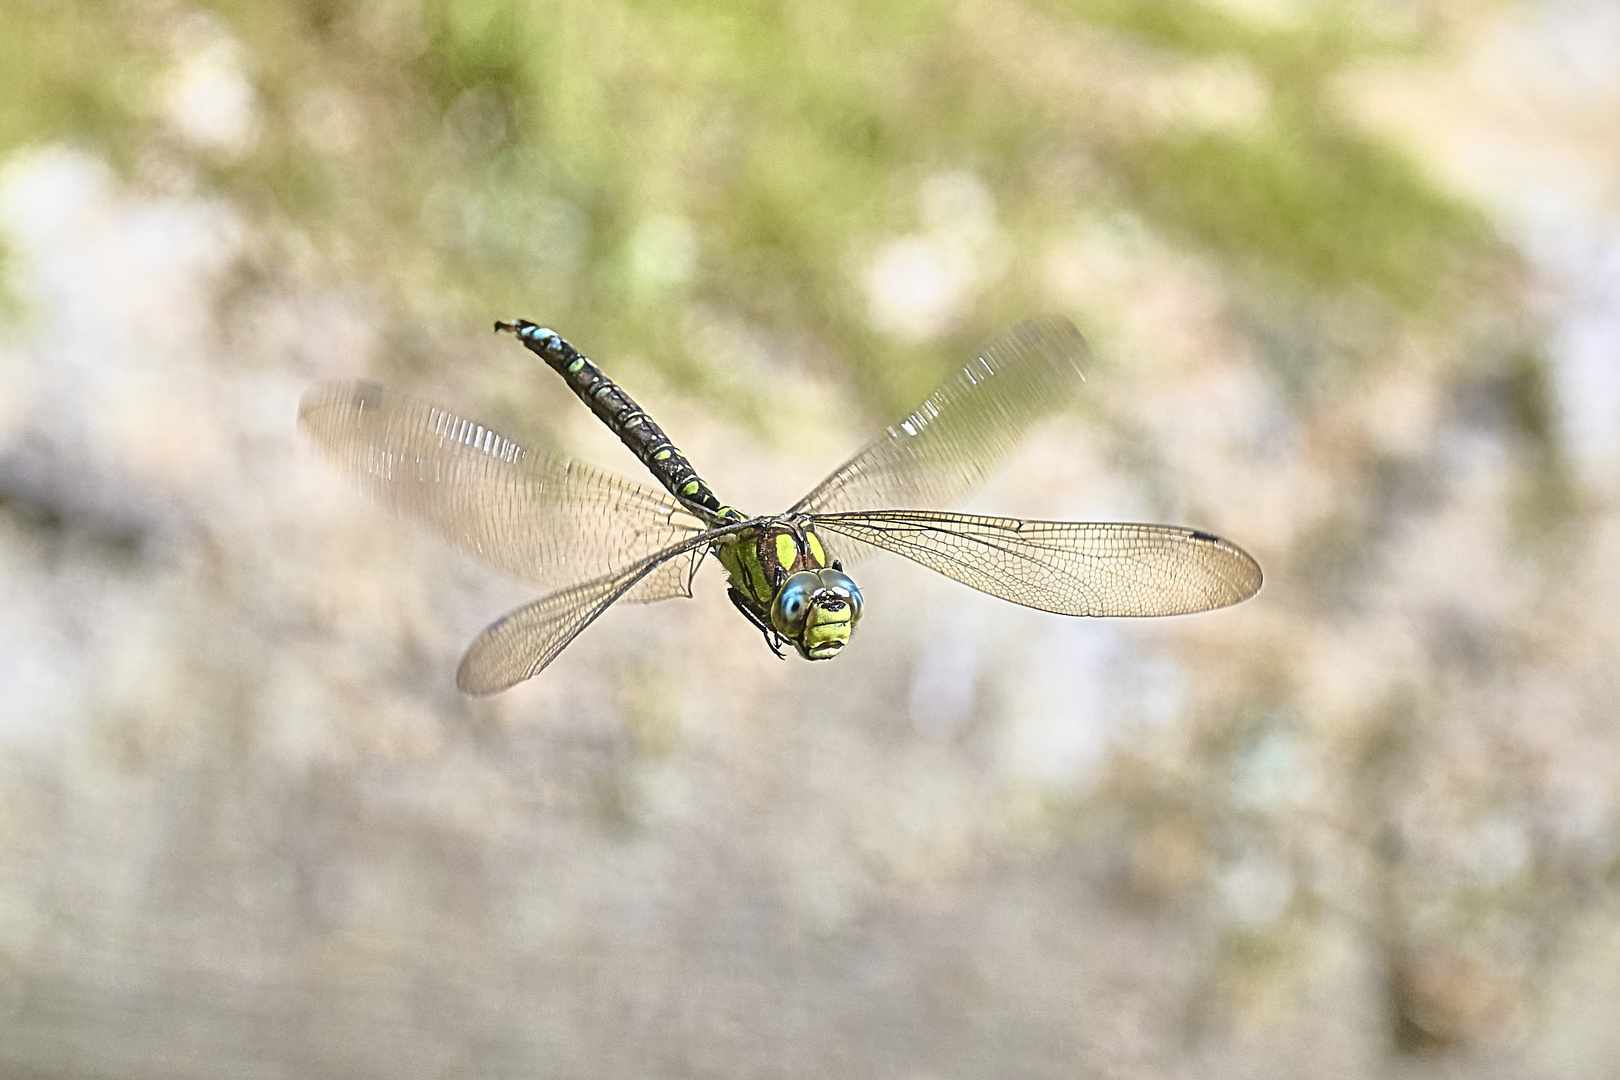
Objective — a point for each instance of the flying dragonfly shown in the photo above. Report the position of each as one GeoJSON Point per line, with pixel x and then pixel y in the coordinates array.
{"type": "Point", "coordinates": [595, 538]}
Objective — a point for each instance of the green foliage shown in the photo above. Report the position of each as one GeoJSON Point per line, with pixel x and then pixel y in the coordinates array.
{"type": "Point", "coordinates": [1317, 204]}
{"type": "Point", "coordinates": [609, 165]}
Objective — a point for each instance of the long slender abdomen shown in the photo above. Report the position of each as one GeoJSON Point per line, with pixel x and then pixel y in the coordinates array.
{"type": "Point", "coordinates": [624, 418]}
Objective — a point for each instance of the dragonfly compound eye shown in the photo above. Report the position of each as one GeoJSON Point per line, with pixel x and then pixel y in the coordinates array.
{"type": "Point", "coordinates": [840, 586]}
{"type": "Point", "coordinates": [792, 603]}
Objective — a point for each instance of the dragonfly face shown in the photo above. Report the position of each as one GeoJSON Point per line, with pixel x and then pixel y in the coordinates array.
{"type": "Point", "coordinates": [816, 610]}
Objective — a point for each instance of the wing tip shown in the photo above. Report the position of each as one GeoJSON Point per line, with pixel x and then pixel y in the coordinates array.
{"type": "Point", "coordinates": [312, 401]}
{"type": "Point", "coordinates": [473, 682]}
{"type": "Point", "coordinates": [1054, 336]}
{"type": "Point", "coordinates": [1246, 583]}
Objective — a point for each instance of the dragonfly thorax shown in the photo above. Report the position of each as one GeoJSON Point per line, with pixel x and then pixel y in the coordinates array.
{"type": "Point", "coordinates": [781, 580]}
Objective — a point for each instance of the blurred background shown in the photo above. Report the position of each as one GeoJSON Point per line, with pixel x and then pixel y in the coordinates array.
{"type": "Point", "coordinates": [1351, 275]}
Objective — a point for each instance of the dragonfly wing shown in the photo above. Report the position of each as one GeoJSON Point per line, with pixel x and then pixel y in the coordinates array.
{"type": "Point", "coordinates": [545, 518]}
{"type": "Point", "coordinates": [1071, 568]}
{"type": "Point", "coordinates": [519, 644]}
{"type": "Point", "coordinates": [522, 642]}
{"type": "Point", "coordinates": [965, 429]}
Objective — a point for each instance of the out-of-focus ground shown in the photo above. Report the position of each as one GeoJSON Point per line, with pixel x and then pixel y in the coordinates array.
{"type": "Point", "coordinates": [1352, 278]}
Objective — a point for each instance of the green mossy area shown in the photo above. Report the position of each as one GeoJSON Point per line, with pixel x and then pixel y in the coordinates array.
{"type": "Point", "coordinates": [507, 156]}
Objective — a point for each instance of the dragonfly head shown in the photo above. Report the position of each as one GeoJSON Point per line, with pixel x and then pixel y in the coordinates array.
{"type": "Point", "coordinates": [816, 610]}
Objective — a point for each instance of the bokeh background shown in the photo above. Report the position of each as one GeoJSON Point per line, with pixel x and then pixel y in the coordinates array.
{"type": "Point", "coordinates": [1351, 274]}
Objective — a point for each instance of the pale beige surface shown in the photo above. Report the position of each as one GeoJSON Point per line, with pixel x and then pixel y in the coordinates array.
{"type": "Point", "coordinates": [1365, 824]}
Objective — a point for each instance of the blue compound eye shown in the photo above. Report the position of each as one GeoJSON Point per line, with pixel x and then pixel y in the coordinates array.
{"type": "Point", "coordinates": [792, 604]}
{"type": "Point", "coordinates": [844, 589]}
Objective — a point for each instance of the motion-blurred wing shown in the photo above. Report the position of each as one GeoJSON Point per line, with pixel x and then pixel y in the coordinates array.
{"type": "Point", "coordinates": [966, 427]}
{"type": "Point", "coordinates": [1071, 568]}
{"type": "Point", "coordinates": [545, 518]}
{"type": "Point", "coordinates": [521, 643]}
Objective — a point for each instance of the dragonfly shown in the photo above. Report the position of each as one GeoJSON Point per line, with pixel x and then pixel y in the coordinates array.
{"type": "Point", "coordinates": [594, 538]}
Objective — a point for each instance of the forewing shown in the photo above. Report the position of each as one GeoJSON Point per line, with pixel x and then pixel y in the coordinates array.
{"type": "Point", "coordinates": [545, 518]}
{"type": "Point", "coordinates": [965, 429]}
{"type": "Point", "coordinates": [1071, 568]}
{"type": "Point", "coordinates": [522, 642]}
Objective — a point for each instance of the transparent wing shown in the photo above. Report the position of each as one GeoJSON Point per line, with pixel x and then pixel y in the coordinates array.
{"type": "Point", "coordinates": [521, 643]}
{"type": "Point", "coordinates": [1072, 568]}
{"type": "Point", "coordinates": [965, 429]}
{"type": "Point", "coordinates": [545, 518]}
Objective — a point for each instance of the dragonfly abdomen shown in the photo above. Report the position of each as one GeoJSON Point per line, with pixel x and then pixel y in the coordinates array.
{"type": "Point", "coordinates": [629, 421]}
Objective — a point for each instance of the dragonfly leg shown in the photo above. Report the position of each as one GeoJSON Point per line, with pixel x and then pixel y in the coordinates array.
{"type": "Point", "coordinates": [772, 638]}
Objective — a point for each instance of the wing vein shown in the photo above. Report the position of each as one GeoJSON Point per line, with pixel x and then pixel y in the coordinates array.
{"type": "Point", "coordinates": [1072, 568]}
